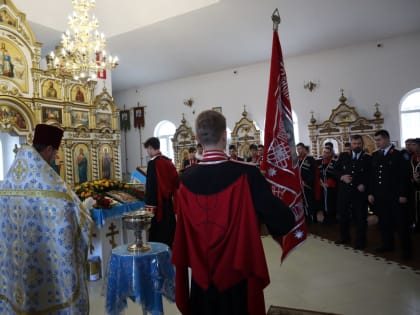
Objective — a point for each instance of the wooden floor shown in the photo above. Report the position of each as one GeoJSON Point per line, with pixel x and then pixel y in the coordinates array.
{"type": "Point", "coordinates": [331, 232]}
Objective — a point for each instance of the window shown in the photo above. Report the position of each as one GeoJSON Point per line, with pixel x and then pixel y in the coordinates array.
{"type": "Point", "coordinates": [295, 126]}
{"type": "Point", "coordinates": [165, 130]}
{"type": "Point", "coordinates": [410, 115]}
{"type": "Point", "coordinates": [228, 138]}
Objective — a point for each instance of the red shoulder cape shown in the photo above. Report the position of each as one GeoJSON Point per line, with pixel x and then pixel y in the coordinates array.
{"type": "Point", "coordinates": [167, 178]}
{"type": "Point", "coordinates": [218, 237]}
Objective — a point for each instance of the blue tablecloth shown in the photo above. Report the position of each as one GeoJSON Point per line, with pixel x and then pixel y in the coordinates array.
{"type": "Point", "coordinates": [100, 215]}
{"type": "Point", "coordinates": [143, 277]}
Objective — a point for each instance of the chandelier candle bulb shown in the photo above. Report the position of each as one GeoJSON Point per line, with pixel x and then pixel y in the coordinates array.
{"type": "Point", "coordinates": [82, 52]}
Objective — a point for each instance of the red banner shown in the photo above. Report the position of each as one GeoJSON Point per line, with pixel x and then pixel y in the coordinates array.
{"type": "Point", "coordinates": [101, 73]}
{"type": "Point", "coordinates": [280, 160]}
{"type": "Point", "coordinates": [138, 117]}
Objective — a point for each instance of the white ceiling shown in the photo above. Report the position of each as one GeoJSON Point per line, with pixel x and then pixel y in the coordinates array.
{"type": "Point", "coordinates": [203, 36]}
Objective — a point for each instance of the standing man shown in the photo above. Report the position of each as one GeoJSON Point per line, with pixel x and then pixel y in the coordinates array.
{"type": "Point", "coordinates": [253, 158]}
{"type": "Point", "coordinates": [217, 233]}
{"type": "Point", "coordinates": [353, 173]}
{"type": "Point", "coordinates": [44, 230]}
{"type": "Point", "coordinates": [161, 184]}
{"type": "Point", "coordinates": [328, 187]}
{"type": "Point", "coordinates": [199, 153]}
{"type": "Point", "coordinates": [388, 193]}
{"type": "Point", "coordinates": [414, 198]}
{"type": "Point", "coordinates": [233, 154]}
{"type": "Point", "coordinates": [309, 178]}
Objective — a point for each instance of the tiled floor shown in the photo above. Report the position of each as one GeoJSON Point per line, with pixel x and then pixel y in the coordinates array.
{"type": "Point", "coordinates": [324, 277]}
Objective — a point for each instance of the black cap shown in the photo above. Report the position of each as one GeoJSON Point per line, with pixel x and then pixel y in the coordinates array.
{"type": "Point", "coordinates": [48, 135]}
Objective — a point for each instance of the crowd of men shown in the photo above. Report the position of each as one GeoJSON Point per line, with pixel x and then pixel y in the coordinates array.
{"type": "Point", "coordinates": [359, 188]}
{"type": "Point", "coordinates": [255, 155]}
{"type": "Point", "coordinates": [353, 187]}
{"type": "Point", "coordinates": [356, 187]}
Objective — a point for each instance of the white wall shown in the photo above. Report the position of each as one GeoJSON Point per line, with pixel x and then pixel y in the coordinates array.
{"type": "Point", "coordinates": [367, 73]}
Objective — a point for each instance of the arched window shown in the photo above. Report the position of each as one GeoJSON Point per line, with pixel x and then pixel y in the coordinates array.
{"type": "Point", "coordinates": [295, 126]}
{"type": "Point", "coordinates": [410, 115]}
{"type": "Point", "coordinates": [228, 138]}
{"type": "Point", "coordinates": [165, 130]}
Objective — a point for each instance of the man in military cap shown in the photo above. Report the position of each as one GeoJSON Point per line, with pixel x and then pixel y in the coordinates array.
{"type": "Point", "coordinates": [45, 229]}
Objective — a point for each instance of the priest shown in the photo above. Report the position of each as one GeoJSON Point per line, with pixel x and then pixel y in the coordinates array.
{"type": "Point", "coordinates": [44, 229]}
{"type": "Point", "coordinates": [218, 205]}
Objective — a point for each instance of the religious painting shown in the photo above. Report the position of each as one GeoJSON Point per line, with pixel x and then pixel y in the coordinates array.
{"type": "Point", "coordinates": [6, 18]}
{"type": "Point", "coordinates": [81, 164]}
{"type": "Point", "coordinates": [11, 117]}
{"type": "Point", "coordinates": [103, 120]}
{"type": "Point", "coordinates": [50, 90]}
{"type": "Point", "coordinates": [125, 120]}
{"type": "Point", "coordinates": [106, 162]}
{"type": "Point", "coordinates": [78, 94]}
{"type": "Point", "coordinates": [121, 196]}
{"type": "Point", "coordinates": [58, 163]}
{"type": "Point", "coordinates": [243, 151]}
{"type": "Point", "coordinates": [52, 114]}
{"type": "Point", "coordinates": [13, 64]}
{"type": "Point", "coordinates": [139, 117]}
{"type": "Point", "coordinates": [79, 118]}
{"type": "Point", "coordinates": [369, 143]}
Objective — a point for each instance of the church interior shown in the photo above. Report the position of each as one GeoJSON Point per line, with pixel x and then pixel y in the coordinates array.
{"type": "Point", "coordinates": [352, 67]}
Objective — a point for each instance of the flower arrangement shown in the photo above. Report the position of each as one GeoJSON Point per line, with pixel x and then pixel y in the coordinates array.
{"type": "Point", "coordinates": [97, 190]}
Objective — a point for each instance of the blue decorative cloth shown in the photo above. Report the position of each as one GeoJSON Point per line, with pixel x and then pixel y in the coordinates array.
{"type": "Point", "coordinates": [100, 215]}
{"type": "Point", "coordinates": [143, 277]}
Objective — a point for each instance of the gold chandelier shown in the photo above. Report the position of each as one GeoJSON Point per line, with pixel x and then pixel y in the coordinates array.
{"type": "Point", "coordinates": [81, 53]}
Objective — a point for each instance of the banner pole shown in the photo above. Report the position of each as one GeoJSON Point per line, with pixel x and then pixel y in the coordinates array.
{"type": "Point", "coordinates": [125, 148]}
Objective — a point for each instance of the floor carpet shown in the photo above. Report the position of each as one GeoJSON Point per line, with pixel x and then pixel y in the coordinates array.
{"type": "Point", "coordinates": [278, 310]}
{"type": "Point", "coordinates": [330, 233]}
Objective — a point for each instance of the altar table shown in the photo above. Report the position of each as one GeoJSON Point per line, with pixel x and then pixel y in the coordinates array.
{"type": "Point", "coordinates": [144, 277]}
{"type": "Point", "coordinates": [100, 215]}
{"type": "Point", "coordinates": [109, 231]}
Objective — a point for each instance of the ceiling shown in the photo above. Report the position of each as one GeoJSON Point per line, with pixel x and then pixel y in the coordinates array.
{"type": "Point", "coordinates": [178, 38]}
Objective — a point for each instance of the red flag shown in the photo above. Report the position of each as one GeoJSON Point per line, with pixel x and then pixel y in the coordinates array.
{"type": "Point", "coordinates": [280, 160]}
{"type": "Point", "coordinates": [139, 117]}
{"type": "Point", "coordinates": [101, 74]}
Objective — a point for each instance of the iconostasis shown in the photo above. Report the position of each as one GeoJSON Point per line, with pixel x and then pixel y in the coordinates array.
{"type": "Point", "coordinates": [90, 148]}
{"type": "Point", "coordinates": [344, 122]}
{"type": "Point", "coordinates": [243, 135]}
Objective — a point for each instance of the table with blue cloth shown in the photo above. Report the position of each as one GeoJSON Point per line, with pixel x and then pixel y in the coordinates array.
{"type": "Point", "coordinates": [109, 230]}
{"type": "Point", "coordinates": [144, 277]}
{"type": "Point", "coordinates": [99, 216]}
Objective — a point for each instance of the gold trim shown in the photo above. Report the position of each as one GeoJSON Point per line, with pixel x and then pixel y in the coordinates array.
{"type": "Point", "coordinates": [36, 193]}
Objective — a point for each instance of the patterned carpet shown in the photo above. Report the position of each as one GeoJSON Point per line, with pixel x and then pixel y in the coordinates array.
{"type": "Point", "coordinates": [329, 233]}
